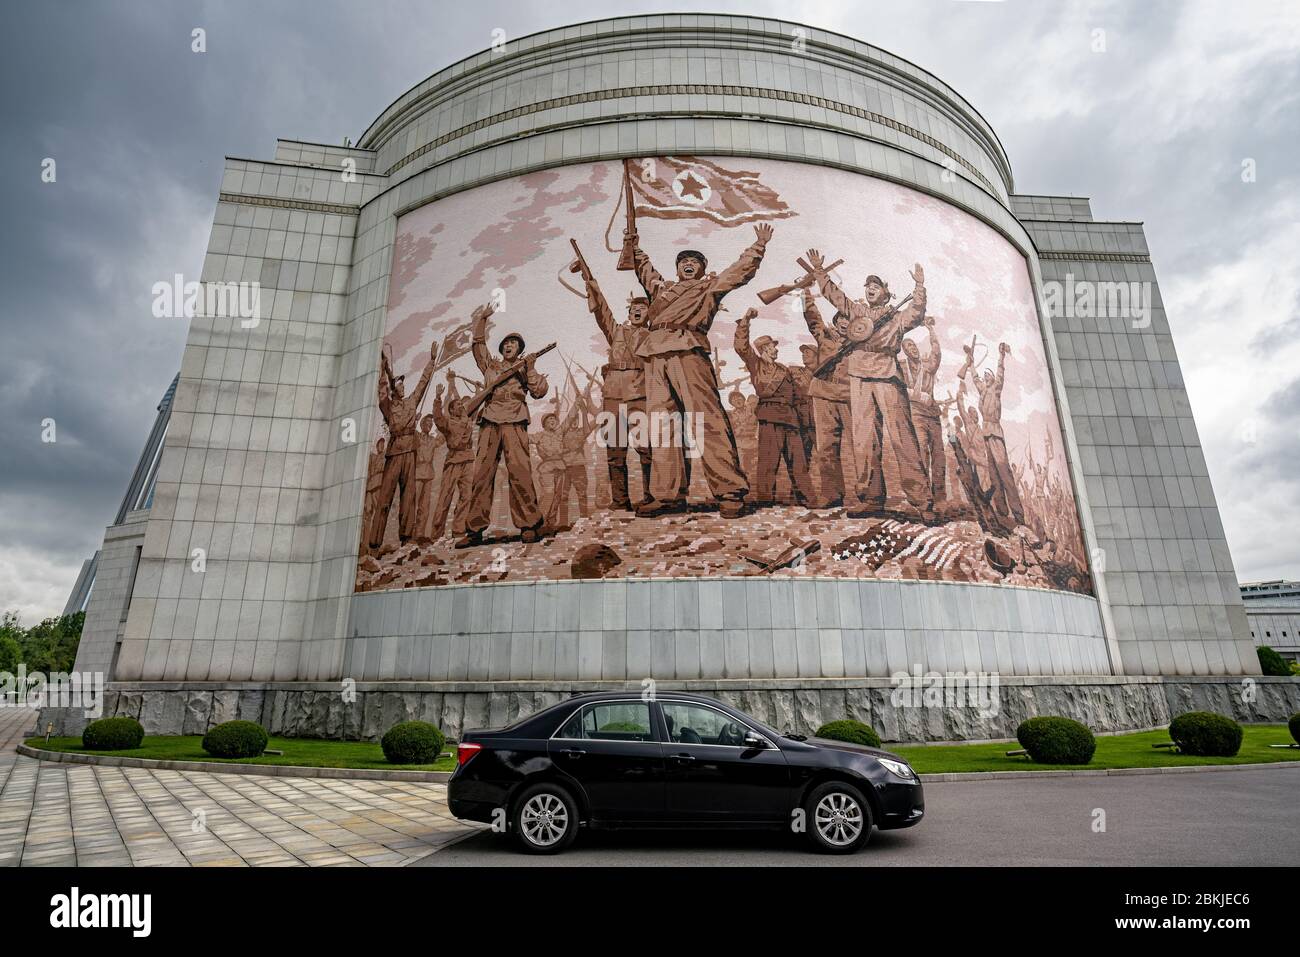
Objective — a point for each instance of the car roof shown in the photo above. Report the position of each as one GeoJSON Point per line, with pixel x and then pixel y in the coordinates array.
{"type": "Point", "coordinates": [637, 692]}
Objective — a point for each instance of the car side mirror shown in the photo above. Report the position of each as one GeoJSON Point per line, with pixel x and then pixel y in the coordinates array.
{"type": "Point", "coordinates": [754, 741]}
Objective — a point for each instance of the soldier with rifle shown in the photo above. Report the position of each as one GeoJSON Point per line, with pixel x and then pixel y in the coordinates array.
{"type": "Point", "coordinates": [400, 412]}
{"type": "Point", "coordinates": [833, 460]}
{"type": "Point", "coordinates": [680, 378]}
{"type": "Point", "coordinates": [502, 408]}
{"type": "Point", "coordinates": [878, 400]}
{"type": "Point", "coordinates": [1006, 494]}
{"type": "Point", "coordinates": [622, 386]}
{"type": "Point", "coordinates": [457, 430]}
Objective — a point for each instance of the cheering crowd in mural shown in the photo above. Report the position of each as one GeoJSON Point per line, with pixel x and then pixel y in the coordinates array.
{"type": "Point", "coordinates": [854, 429]}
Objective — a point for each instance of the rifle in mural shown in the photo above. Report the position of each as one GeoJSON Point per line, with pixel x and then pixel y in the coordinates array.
{"type": "Point", "coordinates": [859, 330]}
{"type": "Point", "coordinates": [505, 375]}
{"type": "Point", "coordinates": [769, 296]}
{"type": "Point", "coordinates": [626, 258]}
{"type": "Point", "coordinates": [579, 264]}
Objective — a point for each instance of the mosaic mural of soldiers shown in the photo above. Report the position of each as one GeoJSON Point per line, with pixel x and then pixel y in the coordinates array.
{"type": "Point", "coordinates": [374, 479]}
{"type": "Point", "coordinates": [744, 426]}
{"type": "Point", "coordinates": [803, 403]}
{"type": "Point", "coordinates": [1006, 495]}
{"type": "Point", "coordinates": [562, 452]}
{"type": "Point", "coordinates": [457, 430]}
{"type": "Point", "coordinates": [918, 374]}
{"type": "Point", "coordinates": [503, 434]}
{"type": "Point", "coordinates": [400, 413]}
{"type": "Point", "coordinates": [971, 435]}
{"type": "Point", "coordinates": [577, 433]}
{"type": "Point", "coordinates": [877, 396]}
{"type": "Point", "coordinates": [426, 448]}
{"type": "Point", "coordinates": [780, 446]}
{"type": "Point", "coordinates": [623, 391]}
{"type": "Point", "coordinates": [833, 461]}
{"type": "Point", "coordinates": [680, 377]}
{"type": "Point", "coordinates": [552, 474]}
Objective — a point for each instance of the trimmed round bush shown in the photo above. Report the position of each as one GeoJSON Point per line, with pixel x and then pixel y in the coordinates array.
{"type": "Point", "coordinates": [1051, 739]}
{"type": "Point", "coordinates": [1206, 733]}
{"type": "Point", "coordinates": [1293, 725]}
{"type": "Point", "coordinates": [412, 742]}
{"type": "Point", "coordinates": [1271, 663]}
{"type": "Point", "coordinates": [236, 739]}
{"type": "Point", "coordinates": [112, 734]}
{"type": "Point", "coordinates": [850, 731]}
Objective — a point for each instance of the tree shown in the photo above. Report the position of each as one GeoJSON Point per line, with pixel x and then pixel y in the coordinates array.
{"type": "Point", "coordinates": [1271, 663]}
{"type": "Point", "coordinates": [10, 654]}
{"type": "Point", "coordinates": [50, 646]}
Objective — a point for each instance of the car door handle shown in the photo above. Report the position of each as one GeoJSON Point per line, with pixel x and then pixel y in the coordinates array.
{"type": "Point", "coordinates": [684, 758]}
{"type": "Point", "coordinates": [574, 753]}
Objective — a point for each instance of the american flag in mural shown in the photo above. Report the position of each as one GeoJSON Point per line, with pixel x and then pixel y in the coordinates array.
{"type": "Point", "coordinates": [686, 187]}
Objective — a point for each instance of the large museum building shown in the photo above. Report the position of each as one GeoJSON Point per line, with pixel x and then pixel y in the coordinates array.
{"type": "Point", "coordinates": [671, 352]}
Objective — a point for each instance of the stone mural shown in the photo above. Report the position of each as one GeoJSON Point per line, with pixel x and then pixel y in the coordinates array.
{"type": "Point", "coordinates": [687, 366]}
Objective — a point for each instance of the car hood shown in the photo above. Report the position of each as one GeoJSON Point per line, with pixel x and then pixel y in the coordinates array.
{"type": "Point", "coordinates": [833, 745]}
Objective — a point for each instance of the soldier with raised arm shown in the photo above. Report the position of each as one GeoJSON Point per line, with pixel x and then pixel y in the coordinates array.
{"type": "Point", "coordinates": [680, 378]}
{"type": "Point", "coordinates": [374, 479]}
{"type": "Point", "coordinates": [918, 374]}
{"type": "Point", "coordinates": [457, 430]}
{"type": "Point", "coordinates": [551, 471]}
{"type": "Point", "coordinates": [779, 443]}
{"type": "Point", "coordinates": [503, 433]}
{"type": "Point", "coordinates": [400, 411]}
{"type": "Point", "coordinates": [623, 391]}
{"type": "Point", "coordinates": [426, 450]}
{"type": "Point", "coordinates": [833, 460]}
{"type": "Point", "coordinates": [878, 399]}
{"type": "Point", "coordinates": [1006, 496]}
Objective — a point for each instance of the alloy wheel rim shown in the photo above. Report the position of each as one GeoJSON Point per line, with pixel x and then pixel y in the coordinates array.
{"type": "Point", "coordinates": [544, 819]}
{"type": "Point", "coordinates": [838, 818]}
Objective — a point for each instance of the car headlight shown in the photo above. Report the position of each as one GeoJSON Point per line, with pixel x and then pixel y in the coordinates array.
{"type": "Point", "coordinates": [898, 769]}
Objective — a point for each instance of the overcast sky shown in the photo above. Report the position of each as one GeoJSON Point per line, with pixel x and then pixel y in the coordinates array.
{"type": "Point", "coordinates": [1155, 129]}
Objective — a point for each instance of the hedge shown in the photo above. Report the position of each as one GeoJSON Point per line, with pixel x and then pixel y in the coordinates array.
{"type": "Point", "coordinates": [112, 734]}
{"type": "Point", "coordinates": [850, 731]}
{"type": "Point", "coordinates": [413, 742]}
{"type": "Point", "coordinates": [1051, 739]}
{"type": "Point", "coordinates": [236, 739]}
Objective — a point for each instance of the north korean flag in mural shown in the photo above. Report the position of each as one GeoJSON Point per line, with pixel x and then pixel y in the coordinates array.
{"type": "Point", "coordinates": [686, 187]}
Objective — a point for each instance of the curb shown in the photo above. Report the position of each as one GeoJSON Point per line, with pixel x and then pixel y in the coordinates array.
{"type": "Point", "coordinates": [216, 767]}
{"type": "Point", "coordinates": [1099, 773]}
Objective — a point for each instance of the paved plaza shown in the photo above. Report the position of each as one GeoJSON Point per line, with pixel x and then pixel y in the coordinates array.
{"type": "Point", "coordinates": [65, 814]}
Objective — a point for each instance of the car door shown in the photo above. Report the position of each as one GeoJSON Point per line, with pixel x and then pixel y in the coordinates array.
{"type": "Point", "coordinates": [612, 751]}
{"type": "Point", "coordinates": [712, 778]}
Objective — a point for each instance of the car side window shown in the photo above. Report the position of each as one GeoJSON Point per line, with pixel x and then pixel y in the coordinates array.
{"type": "Point", "coordinates": [615, 721]}
{"type": "Point", "coordinates": [696, 724]}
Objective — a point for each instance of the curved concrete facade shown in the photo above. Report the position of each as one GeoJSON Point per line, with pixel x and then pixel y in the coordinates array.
{"type": "Point", "coordinates": [262, 468]}
{"type": "Point", "coordinates": [733, 86]}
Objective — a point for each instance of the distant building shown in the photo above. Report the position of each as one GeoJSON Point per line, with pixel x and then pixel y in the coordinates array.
{"type": "Point", "coordinates": [103, 587]}
{"type": "Point", "coordinates": [1273, 611]}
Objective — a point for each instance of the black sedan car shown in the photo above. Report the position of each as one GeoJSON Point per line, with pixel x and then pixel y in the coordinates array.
{"type": "Point", "coordinates": [613, 759]}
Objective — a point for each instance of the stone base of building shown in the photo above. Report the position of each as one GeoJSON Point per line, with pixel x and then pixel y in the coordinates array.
{"type": "Point", "coordinates": [922, 712]}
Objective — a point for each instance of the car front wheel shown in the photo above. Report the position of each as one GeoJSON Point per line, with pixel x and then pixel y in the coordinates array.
{"type": "Point", "coordinates": [838, 818]}
{"type": "Point", "coordinates": [545, 819]}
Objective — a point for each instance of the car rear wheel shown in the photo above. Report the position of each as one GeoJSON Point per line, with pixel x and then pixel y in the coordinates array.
{"type": "Point", "coordinates": [838, 818]}
{"type": "Point", "coordinates": [545, 819]}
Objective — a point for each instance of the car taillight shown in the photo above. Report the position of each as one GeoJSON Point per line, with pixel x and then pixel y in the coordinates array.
{"type": "Point", "coordinates": [466, 750]}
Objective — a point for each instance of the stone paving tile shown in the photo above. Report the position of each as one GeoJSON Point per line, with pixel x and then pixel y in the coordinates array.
{"type": "Point", "coordinates": [64, 814]}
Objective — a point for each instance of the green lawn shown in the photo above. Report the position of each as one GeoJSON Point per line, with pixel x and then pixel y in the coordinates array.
{"type": "Point", "coordinates": [1113, 751]}
{"type": "Point", "coordinates": [302, 752]}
